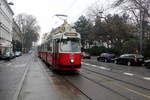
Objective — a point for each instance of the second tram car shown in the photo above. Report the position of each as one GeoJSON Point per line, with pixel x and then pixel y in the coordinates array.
{"type": "Point", "coordinates": [62, 49]}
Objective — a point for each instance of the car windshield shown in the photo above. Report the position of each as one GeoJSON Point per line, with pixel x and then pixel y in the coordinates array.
{"type": "Point", "coordinates": [132, 55]}
{"type": "Point", "coordinates": [17, 52]}
{"type": "Point", "coordinates": [139, 56]}
{"type": "Point", "coordinates": [71, 45]}
{"type": "Point", "coordinates": [124, 55]}
{"type": "Point", "coordinates": [7, 54]}
{"type": "Point", "coordinates": [107, 54]}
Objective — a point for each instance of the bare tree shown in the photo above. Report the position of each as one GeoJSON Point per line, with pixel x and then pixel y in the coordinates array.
{"type": "Point", "coordinates": [29, 29]}
{"type": "Point", "coordinates": [140, 10]}
{"type": "Point", "coordinates": [134, 6]}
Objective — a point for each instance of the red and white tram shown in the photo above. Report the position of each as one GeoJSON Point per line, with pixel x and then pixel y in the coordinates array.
{"type": "Point", "coordinates": [62, 49]}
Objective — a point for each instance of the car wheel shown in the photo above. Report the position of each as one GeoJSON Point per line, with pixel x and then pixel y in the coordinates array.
{"type": "Point", "coordinates": [129, 63]}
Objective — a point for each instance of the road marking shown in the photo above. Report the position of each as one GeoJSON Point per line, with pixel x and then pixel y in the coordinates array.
{"type": "Point", "coordinates": [130, 74]}
{"type": "Point", "coordinates": [104, 68]}
{"type": "Point", "coordinates": [20, 65]}
{"type": "Point", "coordinates": [147, 78]}
{"type": "Point", "coordinates": [85, 63]}
{"type": "Point", "coordinates": [8, 64]}
{"type": "Point", "coordinates": [94, 65]}
{"type": "Point", "coordinates": [131, 90]}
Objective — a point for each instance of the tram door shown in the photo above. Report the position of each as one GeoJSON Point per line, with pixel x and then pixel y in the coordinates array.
{"type": "Point", "coordinates": [55, 53]}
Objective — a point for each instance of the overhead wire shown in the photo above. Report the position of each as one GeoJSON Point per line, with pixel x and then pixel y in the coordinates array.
{"type": "Point", "coordinates": [71, 6]}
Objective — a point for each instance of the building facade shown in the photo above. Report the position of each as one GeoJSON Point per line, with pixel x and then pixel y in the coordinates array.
{"type": "Point", "coordinates": [16, 37]}
{"type": "Point", "coordinates": [6, 22]}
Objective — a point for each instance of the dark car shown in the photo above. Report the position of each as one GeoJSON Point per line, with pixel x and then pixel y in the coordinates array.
{"type": "Point", "coordinates": [106, 57]}
{"type": "Point", "coordinates": [130, 59]}
{"type": "Point", "coordinates": [86, 55]}
{"type": "Point", "coordinates": [147, 63]}
{"type": "Point", "coordinates": [8, 56]}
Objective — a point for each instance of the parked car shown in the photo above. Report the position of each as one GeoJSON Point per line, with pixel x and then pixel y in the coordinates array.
{"type": "Point", "coordinates": [147, 63]}
{"type": "Point", "coordinates": [18, 53]}
{"type": "Point", "coordinates": [86, 55]}
{"type": "Point", "coordinates": [130, 59]}
{"type": "Point", "coordinates": [106, 57]}
{"type": "Point", "coordinates": [8, 56]}
{"type": "Point", "coordinates": [13, 54]}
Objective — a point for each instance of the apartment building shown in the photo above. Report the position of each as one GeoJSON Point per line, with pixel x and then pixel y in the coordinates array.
{"type": "Point", "coordinates": [6, 22]}
{"type": "Point", "coordinates": [16, 37]}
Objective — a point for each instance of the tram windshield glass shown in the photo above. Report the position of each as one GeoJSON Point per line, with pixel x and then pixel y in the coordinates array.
{"type": "Point", "coordinates": [70, 45]}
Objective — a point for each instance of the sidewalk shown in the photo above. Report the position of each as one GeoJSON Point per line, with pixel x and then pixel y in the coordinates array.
{"type": "Point", "coordinates": [42, 84]}
{"type": "Point", "coordinates": [36, 85]}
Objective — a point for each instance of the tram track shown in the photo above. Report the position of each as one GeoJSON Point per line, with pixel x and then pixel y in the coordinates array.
{"type": "Point", "coordinates": [96, 82]}
{"type": "Point", "coordinates": [83, 74]}
{"type": "Point", "coordinates": [127, 82]}
{"type": "Point", "coordinates": [89, 98]}
{"type": "Point", "coordinates": [66, 77]}
{"type": "Point", "coordinates": [49, 72]}
{"type": "Point", "coordinates": [85, 92]}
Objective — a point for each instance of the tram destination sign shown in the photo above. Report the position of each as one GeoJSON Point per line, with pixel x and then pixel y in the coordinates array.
{"type": "Point", "coordinates": [71, 34]}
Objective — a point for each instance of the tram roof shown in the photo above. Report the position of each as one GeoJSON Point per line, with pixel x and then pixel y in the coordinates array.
{"type": "Point", "coordinates": [62, 32]}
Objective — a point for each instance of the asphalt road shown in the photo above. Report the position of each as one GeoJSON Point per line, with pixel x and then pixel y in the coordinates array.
{"type": "Point", "coordinates": [10, 76]}
{"type": "Point", "coordinates": [139, 70]}
{"type": "Point", "coordinates": [108, 81]}
{"type": "Point", "coordinates": [94, 81]}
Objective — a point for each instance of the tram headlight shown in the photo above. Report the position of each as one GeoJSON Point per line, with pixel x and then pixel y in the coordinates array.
{"type": "Point", "coordinates": [72, 60]}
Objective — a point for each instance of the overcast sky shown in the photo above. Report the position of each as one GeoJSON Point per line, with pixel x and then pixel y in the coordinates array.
{"type": "Point", "coordinates": [44, 10]}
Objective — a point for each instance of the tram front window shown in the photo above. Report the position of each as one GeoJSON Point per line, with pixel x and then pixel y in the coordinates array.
{"type": "Point", "coordinates": [70, 46]}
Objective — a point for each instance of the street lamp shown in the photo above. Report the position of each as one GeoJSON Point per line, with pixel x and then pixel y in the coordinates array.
{"type": "Point", "coordinates": [0, 30]}
{"type": "Point", "coordinates": [141, 31]}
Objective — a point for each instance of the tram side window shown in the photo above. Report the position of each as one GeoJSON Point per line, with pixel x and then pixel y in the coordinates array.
{"type": "Point", "coordinates": [49, 46]}
{"type": "Point", "coordinates": [55, 46]}
{"type": "Point", "coordinates": [45, 47]}
{"type": "Point", "coordinates": [42, 47]}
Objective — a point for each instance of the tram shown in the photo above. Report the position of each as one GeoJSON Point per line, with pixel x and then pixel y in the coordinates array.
{"type": "Point", "coordinates": [62, 48]}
